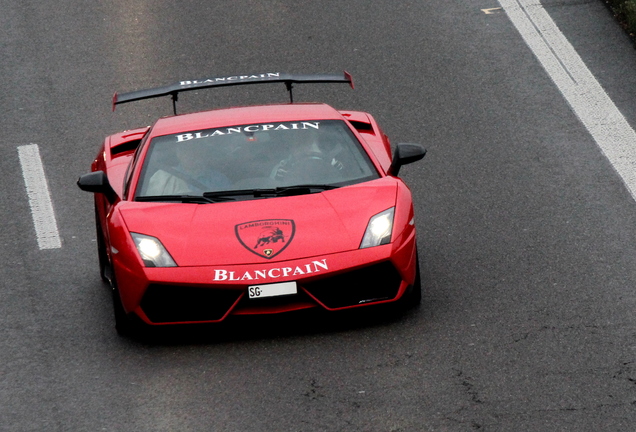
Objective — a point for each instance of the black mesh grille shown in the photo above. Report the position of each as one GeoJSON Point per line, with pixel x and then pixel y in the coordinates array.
{"type": "Point", "coordinates": [366, 285]}
{"type": "Point", "coordinates": [170, 303]}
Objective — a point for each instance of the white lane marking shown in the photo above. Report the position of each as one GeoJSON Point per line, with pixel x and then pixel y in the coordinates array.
{"type": "Point", "coordinates": [39, 197]}
{"type": "Point", "coordinates": [597, 112]}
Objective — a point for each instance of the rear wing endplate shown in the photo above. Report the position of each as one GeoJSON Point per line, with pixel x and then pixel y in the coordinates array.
{"type": "Point", "coordinates": [261, 78]}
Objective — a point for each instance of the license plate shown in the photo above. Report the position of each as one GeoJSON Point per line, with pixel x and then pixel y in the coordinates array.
{"type": "Point", "coordinates": [272, 290]}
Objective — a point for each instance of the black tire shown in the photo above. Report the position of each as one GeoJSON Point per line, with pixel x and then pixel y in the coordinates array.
{"type": "Point", "coordinates": [413, 297]}
{"type": "Point", "coordinates": [122, 321]}
{"type": "Point", "coordinates": [125, 324]}
{"type": "Point", "coordinates": [102, 255]}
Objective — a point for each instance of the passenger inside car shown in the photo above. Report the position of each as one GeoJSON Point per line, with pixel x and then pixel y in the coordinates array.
{"type": "Point", "coordinates": [192, 174]}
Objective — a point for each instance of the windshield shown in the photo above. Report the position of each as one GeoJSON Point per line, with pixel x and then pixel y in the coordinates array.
{"type": "Point", "coordinates": [254, 157]}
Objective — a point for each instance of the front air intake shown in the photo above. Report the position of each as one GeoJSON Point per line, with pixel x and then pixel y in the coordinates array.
{"type": "Point", "coordinates": [371, 284]}
{"type": "Point", "coordinates": [174, 303]}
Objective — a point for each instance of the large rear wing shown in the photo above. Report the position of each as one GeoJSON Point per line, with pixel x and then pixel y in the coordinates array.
{"type": "Point", "coordinates": [262, 78]}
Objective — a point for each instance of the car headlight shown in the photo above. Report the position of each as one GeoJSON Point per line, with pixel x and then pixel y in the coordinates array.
{"type": "Point", "coordinates": [152, 251]}
{"type": "Point", "coordinates": [379, 229]}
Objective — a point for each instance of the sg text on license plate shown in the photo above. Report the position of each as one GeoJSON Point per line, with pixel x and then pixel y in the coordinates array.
{"type": "Point", "coordinates": [272, 290]}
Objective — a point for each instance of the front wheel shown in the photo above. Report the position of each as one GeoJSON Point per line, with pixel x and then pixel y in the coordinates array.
{"type": "Point", "coordinates": [413, 297]}
{"type": "Point", "coordinates": [125, 324]}
{"type": "Point", "coordinates": [102, 255]}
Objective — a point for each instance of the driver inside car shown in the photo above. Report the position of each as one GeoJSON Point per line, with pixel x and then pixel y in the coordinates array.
{"type": "Point", "coordinates": [307, 162]}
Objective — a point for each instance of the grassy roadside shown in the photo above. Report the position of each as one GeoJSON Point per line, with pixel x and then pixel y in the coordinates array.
{"type": "Point", "coordinates": [625, 11]}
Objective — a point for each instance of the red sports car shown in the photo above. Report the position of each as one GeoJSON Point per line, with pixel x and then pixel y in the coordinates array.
{"type": "Point", "coordinates": [252, 210]}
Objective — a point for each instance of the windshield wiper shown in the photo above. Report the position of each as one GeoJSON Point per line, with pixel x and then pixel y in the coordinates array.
{"type": "Point", "coordinates": [272, 192]}
{"type": "Point", "coordinates": [231, 193]}
{"type": "Point", "coordinates": [304, 187]}
{"type": "Point", "coordinates": [182, 198]}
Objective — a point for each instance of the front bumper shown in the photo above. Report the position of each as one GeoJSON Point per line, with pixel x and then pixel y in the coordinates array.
{"type": "Point", "coordinates": [210, 294]}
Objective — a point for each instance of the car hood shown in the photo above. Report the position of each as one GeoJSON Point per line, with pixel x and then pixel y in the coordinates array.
{"type": "Point", "coordinates": [262, 230]}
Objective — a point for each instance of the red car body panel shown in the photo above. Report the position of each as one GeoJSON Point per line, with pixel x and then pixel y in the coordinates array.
{"type": "Point", "coordinates": [204, 239]}
{"type": "Point", "coordinates": [197, 235]}
{"type": "Point", "coordinates": [371, 133]}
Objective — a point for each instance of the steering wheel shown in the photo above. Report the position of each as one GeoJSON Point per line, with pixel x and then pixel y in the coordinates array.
{"type": "Point", "coordinates": [310, 168]}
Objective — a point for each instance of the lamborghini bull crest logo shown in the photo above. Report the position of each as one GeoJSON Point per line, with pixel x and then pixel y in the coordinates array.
{"type": "Point", "coordinates": [266, 238]}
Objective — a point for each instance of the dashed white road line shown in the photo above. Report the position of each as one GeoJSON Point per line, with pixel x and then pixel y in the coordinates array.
{"type": "Point", "coordinates": [612, 133]}
{"type": "Point", "coordinates": [37, 188]}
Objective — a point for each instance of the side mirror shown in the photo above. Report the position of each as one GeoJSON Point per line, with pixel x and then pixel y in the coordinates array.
{"type": "Point", "coordinates": [405, 154]}
{"type": "Point", "coordinates": [97, 182]}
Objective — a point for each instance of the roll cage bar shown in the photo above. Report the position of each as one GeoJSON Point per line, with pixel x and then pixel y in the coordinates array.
{"type": "Point", "coordinates": [261, 78]}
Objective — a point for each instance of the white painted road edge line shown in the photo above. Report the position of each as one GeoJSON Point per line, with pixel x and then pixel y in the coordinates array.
{"type": "Point", "coordinates": [39, 197]}
{"type": "Point", "coordinates": [597, 112]}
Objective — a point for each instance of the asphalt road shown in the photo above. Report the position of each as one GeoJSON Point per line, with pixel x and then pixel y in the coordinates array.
{"type": "Point", "coordinates": [526, 230]}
